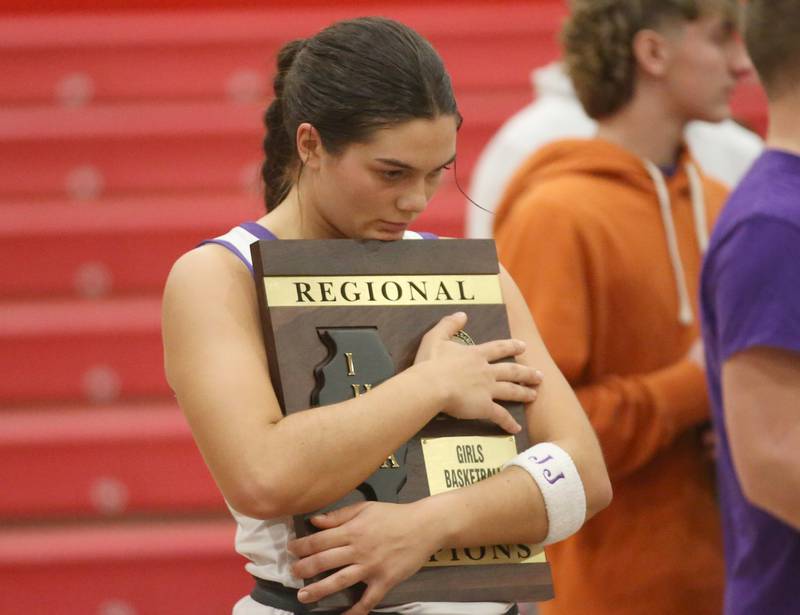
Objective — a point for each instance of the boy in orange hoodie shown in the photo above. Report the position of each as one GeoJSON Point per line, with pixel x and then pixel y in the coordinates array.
{"type": "Point", "coordinates": [604, 237]}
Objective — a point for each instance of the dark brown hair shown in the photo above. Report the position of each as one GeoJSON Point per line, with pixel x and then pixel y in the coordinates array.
{"type": "Point", "coordinates": [347, 81]}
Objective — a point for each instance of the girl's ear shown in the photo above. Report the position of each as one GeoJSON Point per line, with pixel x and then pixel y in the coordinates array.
{"type": "Point", "coordinates": [309, 145]}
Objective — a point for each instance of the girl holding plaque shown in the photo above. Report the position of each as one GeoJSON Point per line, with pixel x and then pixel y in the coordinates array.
{"type": "Point", "coordinates": [362, 128]}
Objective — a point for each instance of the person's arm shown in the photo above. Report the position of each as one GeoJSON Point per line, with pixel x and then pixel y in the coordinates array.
{"type": "Point", "coordinates": [382, 544]}
{"type": "Point", "coordinates": [635, 416]}
{"type": "Point", "coordinates": [269, 466]}
{"type": "Point", "coordinates": [761, 393]}
{"type": "Point", "coordinates": [757, 310]}
{"type": "Point", "coordinates": [638, 417]}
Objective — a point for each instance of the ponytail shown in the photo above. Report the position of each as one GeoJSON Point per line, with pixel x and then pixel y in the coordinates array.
{"type": "Point", "coordinates": [279, 149]}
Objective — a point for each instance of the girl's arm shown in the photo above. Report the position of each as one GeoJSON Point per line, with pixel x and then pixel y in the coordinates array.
{"type": "Point", "coordinates": [267, 465]}
{"type": "Point", "coordinates": [382, 544]}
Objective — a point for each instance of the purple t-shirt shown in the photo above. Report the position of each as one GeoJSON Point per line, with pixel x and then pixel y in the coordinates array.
{"type": "Point", "coordinates": [750, 296]}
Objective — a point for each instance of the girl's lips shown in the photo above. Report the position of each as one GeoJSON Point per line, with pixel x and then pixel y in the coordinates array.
{"type": "Point", "coordinates": [393, 227]}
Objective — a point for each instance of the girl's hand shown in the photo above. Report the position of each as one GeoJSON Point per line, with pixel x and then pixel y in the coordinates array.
{"type": "Point", "coordinates": [473, 378]}
{"type": "Point", "coordinates": [375, 543]}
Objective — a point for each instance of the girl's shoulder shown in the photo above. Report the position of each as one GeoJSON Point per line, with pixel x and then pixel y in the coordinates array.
{"type": "Point", "coordinates": [239, 239]}
{"type": "Point", "coordinates": [213, 267]}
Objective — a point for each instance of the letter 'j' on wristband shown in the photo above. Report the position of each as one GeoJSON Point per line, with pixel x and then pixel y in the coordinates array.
{"type": "Point", "coordinates": [561, 486]}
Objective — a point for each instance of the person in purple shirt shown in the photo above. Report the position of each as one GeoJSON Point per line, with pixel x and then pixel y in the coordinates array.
{"type": "Point", "coordinates": [750, 295]}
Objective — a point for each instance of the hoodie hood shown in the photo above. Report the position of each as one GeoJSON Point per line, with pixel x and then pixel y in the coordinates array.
{"type": "Point", "coordinates": [552, 80]}
{"type": "Point", "coordinates": [604, 160]}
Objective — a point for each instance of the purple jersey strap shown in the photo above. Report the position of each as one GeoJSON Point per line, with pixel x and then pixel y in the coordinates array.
{"type": "Point", "coordinates": [239, 239]}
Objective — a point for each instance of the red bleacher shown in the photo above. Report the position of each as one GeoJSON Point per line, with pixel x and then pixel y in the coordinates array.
{"type": "Point", "coordinates": [106, 461]}
{"type": "Point", "coordinates": [130, 131]}
{"type": "Point", "coordinates": [138, 568]}
{"type": "Point", "coordinates": [69, 350]}
{"type": "Point", "coordinates": [107, 246]}
{"type": "Point", "coordinates": [215, 54]}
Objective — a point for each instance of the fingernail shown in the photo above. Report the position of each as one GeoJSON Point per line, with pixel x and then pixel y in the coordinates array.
{"type": "Point", "coordinates": [538, 373]}
{"type": "Point", "coordinates": [520, 344]}
{"type": "Point", "coordinates": [302, 595]}
{"type": "Point", "coordinates": [459, 314]}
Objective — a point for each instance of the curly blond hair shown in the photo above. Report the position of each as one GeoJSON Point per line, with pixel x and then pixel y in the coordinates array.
{"type": "Point", "coordinates": [771, 34]}
{"type": "Point", "coordinates": [597, 40]}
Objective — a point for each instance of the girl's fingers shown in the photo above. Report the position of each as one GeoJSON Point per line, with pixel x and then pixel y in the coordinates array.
{"type": "Point", "coordinates": [330, 536]}
{"type": "Point", "coordinates": [336, 582]}
{"type": "Point", "coordinates": [335, 518]}
{"type": "Point", "coordinates": [501, 349]}
{"type": "Point", "coordinates": [315, 543]}
{"type": "Point", "coordinates": [369, 600]}
{"type": "Point", "coordinates": [511, 371]}
{"type": "Point", "coordinates": [312, 565]}
{"type": "Point", "coordinates": [508, 391]}
{"type": "Point", "coordinates": [448, 326]}
{"type": "Point", "coordinates": [503, 419]}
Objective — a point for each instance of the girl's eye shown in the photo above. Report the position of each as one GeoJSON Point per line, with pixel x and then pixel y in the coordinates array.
{"type": "Point", "coordinates": [394, 174]}
{"type": "Point", "coordinates": [435, 174]}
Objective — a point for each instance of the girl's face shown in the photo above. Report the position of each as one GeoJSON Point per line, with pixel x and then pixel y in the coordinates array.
{"type": "Point", "coordinates": [375, 190]}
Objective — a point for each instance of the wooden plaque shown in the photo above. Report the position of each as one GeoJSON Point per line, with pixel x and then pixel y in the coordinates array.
{"type": "Point", "coordinates": [315, 294]}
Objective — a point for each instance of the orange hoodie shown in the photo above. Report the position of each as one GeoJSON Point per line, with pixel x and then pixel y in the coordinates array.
{"type": "Point", "coordinates": [607, 253]}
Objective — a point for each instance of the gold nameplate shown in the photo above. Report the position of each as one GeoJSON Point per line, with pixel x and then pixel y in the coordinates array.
{"type": "Point", "coordinates": [454, 462]}
{"type": "Point", "coordinates": [399, 290]}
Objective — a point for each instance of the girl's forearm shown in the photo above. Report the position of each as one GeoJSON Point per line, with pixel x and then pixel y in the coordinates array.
{"type": "Point", "coordinates": [319, 455]}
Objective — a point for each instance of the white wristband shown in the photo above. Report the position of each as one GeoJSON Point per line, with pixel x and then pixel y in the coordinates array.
{"type": "Point", "coordinates": [561, 486]}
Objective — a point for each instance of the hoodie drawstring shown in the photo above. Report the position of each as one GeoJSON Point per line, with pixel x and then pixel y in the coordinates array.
{"type": "Point", "coordinates": [698, 207]}
{"type": "Point", "coordinates": [685, 314]}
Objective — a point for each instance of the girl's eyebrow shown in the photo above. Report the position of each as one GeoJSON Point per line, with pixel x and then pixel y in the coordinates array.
{"type": "Point", "coordinates": [403, 165]}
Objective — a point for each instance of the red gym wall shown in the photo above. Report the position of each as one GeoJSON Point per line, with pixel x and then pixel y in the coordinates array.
{"type": "Point", "coordinates": [129, 131]}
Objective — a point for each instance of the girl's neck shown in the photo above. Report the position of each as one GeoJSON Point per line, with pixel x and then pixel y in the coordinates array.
{"type": "Point", "coordinates": [294, 218]}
